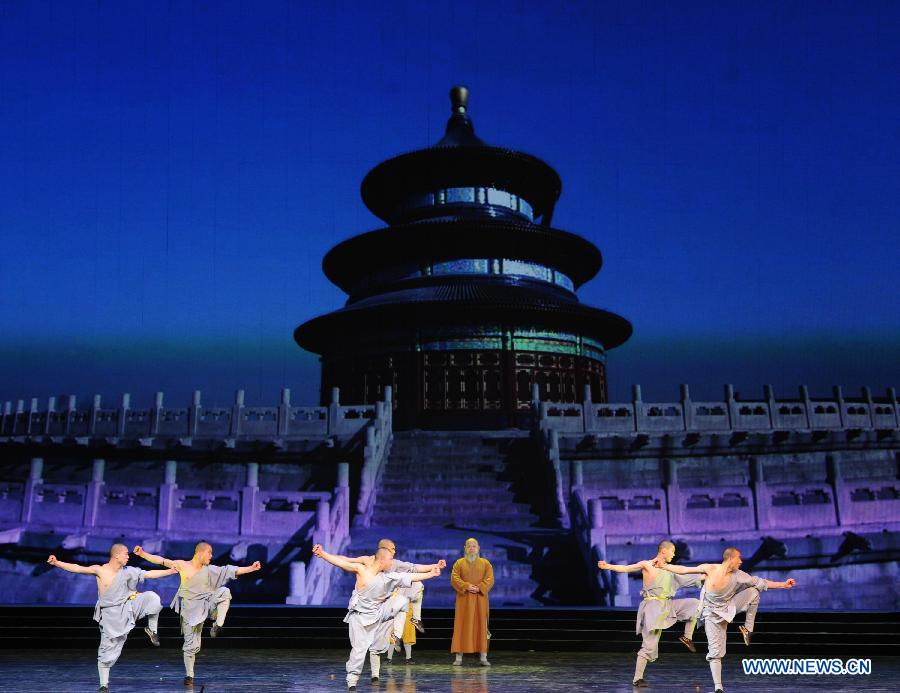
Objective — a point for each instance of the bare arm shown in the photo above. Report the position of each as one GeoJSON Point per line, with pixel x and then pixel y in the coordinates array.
{"type": "Point", "coordinates": [153, 574]}
{"type": "Point", "coordinates": [249, 569]}
{"type": "Point", "coordinates": [341, 562]}
{"type": "Point", "coordinates": [686, 570]}
{"type": "Point", "coordinates": [440, 565]}
{"type": "Point", "coordinates": [158, 560]}
{"type": "Point", "coordinates": [640, 565]}
{"type": "Point", "coordinates": [425, 574]}
{"type": "Point", "coordinates": [786, 585]}
{"type": "Point", "coordinates": [73, 567]}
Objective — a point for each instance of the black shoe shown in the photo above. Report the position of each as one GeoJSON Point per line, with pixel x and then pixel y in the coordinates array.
{"type": "Point", "coordinates": [410, 661]}
{"type": "Point", "coordinates": [375, 680]}
{"type": "Point", "coordinates": [640, 683]}
{"type": "Point", "coordinates": [188, 681]}
{"type": "Point", "coordinates": [746, 633]}
{"type": "Point", "coordinates": [688, 643]}
{"type": "Point", "coordinates": [351, 688]}
{"type": "Point", "coordinates": [215, 629]}
{"type": "Point", "coordinates": [417, 625]}
{"type": "Point", "coordinates": [104, 689]}
{"type": "Point", "coordinates": [154, 638]}
{"type": "Point", "coordinates": [720, 690]}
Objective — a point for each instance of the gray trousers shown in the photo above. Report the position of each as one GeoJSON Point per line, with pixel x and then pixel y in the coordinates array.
{"type": "Point", "coordinates": [373, 638]}
{"type": "Point", "coordinates": [683, 610]}
{"type": "Point", "coordinates": [145, 604]}
{"type": "Point", "coordinates": [414, 595]}
{"type": "Point", "coordinates": [745, 600]}
{"type": "Point", "coordinates": [193, 634]}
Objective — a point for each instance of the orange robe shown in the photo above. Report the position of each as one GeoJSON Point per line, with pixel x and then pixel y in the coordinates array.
{"type": "Point", "coordinates": [471, 617]}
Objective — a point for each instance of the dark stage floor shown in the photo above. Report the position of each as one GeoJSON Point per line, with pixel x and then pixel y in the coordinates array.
{"type": "Point", "coordinates": [154, 671]}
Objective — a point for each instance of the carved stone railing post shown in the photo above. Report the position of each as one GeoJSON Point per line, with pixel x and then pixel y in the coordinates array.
{"type": "Point", "coordinates": [95, 410]}
{"type": "Point", "coordinates": [237, 414]}
{"type": "Point", "coordinates": [334, 411]}
{"type": "Point", "coordinates": [35, 479]}
{"type": "Point", "coordinates": [284, 412]}
{"type": "Point", "coordinates": [156, 414]}
{"type": "Point", "coordinates": [94, 493]}
{"type": "Point", "coordinates": [167, 493]}
{"type": "Point", "coordinates": [250, 500]}
{"type": "Point", "coordinates": [123, 415]}
{"type": "Point", "coordinates": [194, 415]}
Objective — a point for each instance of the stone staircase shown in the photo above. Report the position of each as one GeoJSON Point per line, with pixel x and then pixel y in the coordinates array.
{"type": "Point", "coordinates": [439, 488]}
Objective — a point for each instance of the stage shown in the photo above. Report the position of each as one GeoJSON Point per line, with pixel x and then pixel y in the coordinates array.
{"type": "Point", "coordinates": [143, 669]}
{"type": "Point", "coordinates": [282, 648]}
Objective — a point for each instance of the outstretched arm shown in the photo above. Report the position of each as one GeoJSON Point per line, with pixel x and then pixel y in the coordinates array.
{"type": "Point", "coordinates": [153, 574]}
{"type": "Point", "coordinates": [158, 560]}
{"type": "Point", "coordinates": [423, 568]}
{"type": "Point", "coordinates": [249, 569]}
{"type": "Point", "coordinates": [640, 565]}
{"type": "Point", "coordinates": [686, 570]}
{"type": "Point", "coordinates": [73, 567]}
{"type": "Point", "coordinates": [425, 574]}
{"type": "Point", "coordinates": [786, 585]}
{"type": "Point", "coordinates": [341, 562]}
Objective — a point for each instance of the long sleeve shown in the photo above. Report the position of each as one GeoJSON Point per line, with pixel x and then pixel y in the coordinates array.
{"type": "Point", "coordinates": [398, 579]}
{"type": "Point", "coordinates": [133, 577]}
{"type": "Point", "coordinates": [487, 581]}
{"type": "Point", "coordinates": [682, 581]}
{"type": "Point", "coordinates": [219, 575]}
{"type": "Point", "coordinates": [746, 580]}
{"type": "Point", "coordinates": [455, 580]}
{"type": "Point", "coordinates": [403, 567]}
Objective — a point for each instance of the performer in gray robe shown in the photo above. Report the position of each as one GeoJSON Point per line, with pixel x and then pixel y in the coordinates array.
{"type": "Point", "coordinates": [202, 595]}
{"type": "Point", "coordinates": [415, 593]}
{"type": "Point", "coordinates": [371, 611]}
{"type": "Point", "coordinates": [659, 610]}
{"type": "Point", "coordinates": [728, 591]}
{"type": "Point", "coordinates": [119, 605]}
{"type": "Point", "coordinates": [370, 619]}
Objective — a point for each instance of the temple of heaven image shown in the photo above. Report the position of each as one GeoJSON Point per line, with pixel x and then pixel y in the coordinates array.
{"type": "Point", "coordinates": [466, 298]}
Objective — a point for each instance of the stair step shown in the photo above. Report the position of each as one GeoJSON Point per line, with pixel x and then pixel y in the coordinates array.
{"type": "Point", "coordinates": [482, 524]}
{"type": "Point", "coordinates": [442, 476]}
{"type": "Point", "coordinates": [448, 484]}
{"type": "Point", "coordinates": [464, 507]}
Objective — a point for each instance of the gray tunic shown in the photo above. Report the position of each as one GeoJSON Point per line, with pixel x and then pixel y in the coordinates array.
{"type": "Point", "coordinates": [366, 607]}
{"type": "Point", "coordinates": [655, 611]}
{"type": "Point", "coordinates": [113, 610]}
{"type": "Point", "coordinates": [719, 605]}
{"type": "Point", "coordinates": [194, 600]}
{"type": "Point", "coordinates": [402, 567]}
{"type": "Point", "coordinates": [369, 618]}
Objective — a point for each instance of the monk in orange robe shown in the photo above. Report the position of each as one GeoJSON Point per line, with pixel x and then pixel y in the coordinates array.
{"type": "Point", "coordinates": [472, 578]}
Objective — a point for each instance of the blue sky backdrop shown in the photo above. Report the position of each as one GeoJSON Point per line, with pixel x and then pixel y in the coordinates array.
{"type": "Point", "coordinates": [171, 174]}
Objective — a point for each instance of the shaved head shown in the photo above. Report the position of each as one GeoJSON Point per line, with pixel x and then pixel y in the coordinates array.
{"type": "Point", "coordinates": [201, 546]}
{"type": "Point", "coordinates": [116, 547]}
{"type": "Point", "coordinates": [387, 544]}
{"type": "Point", "coordinates": [730, 552]}
{"type": "Point", "coordinates": [383, 553]}
{"type": "Point", "coordinates": [665, 544]}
